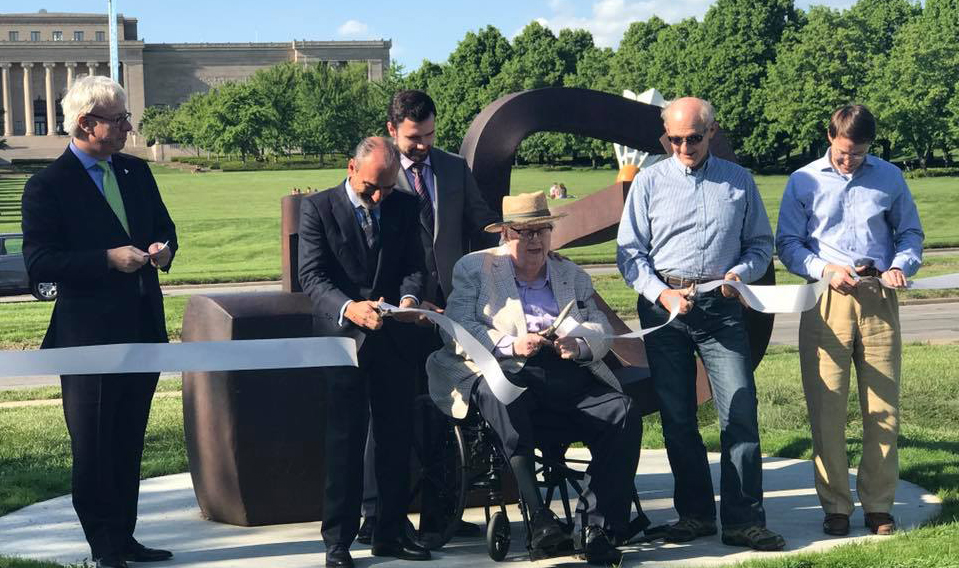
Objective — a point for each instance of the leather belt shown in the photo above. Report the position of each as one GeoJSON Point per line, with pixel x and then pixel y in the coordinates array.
{"type": "Point", "coordinates": [682, 281]}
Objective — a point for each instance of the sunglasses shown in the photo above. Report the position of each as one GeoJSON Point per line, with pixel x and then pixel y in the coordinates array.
{"type": "Point", "coordinates": [690, 140]}
{"type": "Point", "coordinates": [117, 120]}
{"type": "Point", "coordinates": [530, 234]}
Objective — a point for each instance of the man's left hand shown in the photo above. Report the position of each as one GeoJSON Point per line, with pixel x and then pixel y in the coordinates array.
{"type": "Point", "coordinates": [894, 278]}
{"type": "Point", "coordinates": [566, 347]}
{"type": "Point", "coordinates": [407, 317]}
{"type": "Point", "coordinates": [729, 291]}
{"type": "Point", "coordinates": [423, 320]}
{"type": "Point", "coordinates": [160, 255]}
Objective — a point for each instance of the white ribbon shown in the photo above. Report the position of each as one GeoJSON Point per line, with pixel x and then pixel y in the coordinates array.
{"type": "Point", "coordinates": [235, 355]}
{"type": "Point", "coordinates": [504, 391]}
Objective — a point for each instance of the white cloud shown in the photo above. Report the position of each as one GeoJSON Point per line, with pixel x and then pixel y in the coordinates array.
{"type": "Point", "coordinates": [610, 18]}
{"type": "Point", "coordinates": [352, 28]}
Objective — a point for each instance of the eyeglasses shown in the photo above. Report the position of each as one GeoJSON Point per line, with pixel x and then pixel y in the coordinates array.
{"type": "Point", "coordinates": [690, 140]}
{"type": "Point", "coordinates": [117, 120]}
{"type": "Point", "coordinates": [530, 234]}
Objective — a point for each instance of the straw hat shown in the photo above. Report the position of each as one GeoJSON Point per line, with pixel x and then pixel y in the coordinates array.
{"type": "Point", "coordinates": [524, 209]}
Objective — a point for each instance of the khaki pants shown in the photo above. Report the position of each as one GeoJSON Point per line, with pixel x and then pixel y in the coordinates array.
{"type": "Point", "coordinates": [860, 328]}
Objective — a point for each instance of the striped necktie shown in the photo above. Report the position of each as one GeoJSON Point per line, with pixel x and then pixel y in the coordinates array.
{"type": "Point", "coordinates": [111, 190]}
{"type": "Point", "coordinates": [426, 204]}
{"type": "Point", "coordinates": [370, 230]}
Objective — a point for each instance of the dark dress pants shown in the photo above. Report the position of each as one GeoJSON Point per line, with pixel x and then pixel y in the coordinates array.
{"type": "Point", "coordinates": [106, 417]}
{"type": "Point", "coordinates": [564, 403]}
{"type": "Point", "coordinates": [377, 394]}
{"type": "Point", "coordinates": [715, 330]}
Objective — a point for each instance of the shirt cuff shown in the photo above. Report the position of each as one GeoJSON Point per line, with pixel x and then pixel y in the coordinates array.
{"type": "Point", "coordinates": [653, 290]}
{"type": "Point", "coordinates": [504, 347]}
{"type": "Point", "coordinates": [415, 299]}
{"type": "Point", "coordinates": [585, 353]}
{"type": "Point", "coordinates": [815, 267]}
{"type": "Point", "coordinates": [339, 322]}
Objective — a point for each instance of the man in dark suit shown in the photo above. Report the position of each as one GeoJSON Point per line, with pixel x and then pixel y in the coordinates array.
{"type": "Point", "coordinates": [358, 245]}
{"type": "Point", "coordinates": [452, 214]}
{"type": "Point", "coordinates": [94, 223]}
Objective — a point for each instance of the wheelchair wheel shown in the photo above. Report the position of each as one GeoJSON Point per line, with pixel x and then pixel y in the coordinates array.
{"type": "Point", "coordinates": [439, 457]}
{"type": "Point", "coordinates": [497, 536]}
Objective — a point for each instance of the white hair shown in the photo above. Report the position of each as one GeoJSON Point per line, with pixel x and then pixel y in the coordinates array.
{"type": "Point", "coordinates": [87, 93]}
{"type": "Point", "coordinates": [706, 112]}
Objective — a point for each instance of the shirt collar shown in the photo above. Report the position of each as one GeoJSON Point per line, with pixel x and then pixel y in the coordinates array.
{"type": "Point", "coordinates": [689, 172]}
{"type": "Point", "coordinates": [87, 160]}
{"type": "Point", "coordinates": [406, 162]}
{"type": "Point", "coordinates": [537, 284]}
{"type": "Point", "coordinates": [824, 164]}
{"type": "Point", "coordinates": [351, 195]}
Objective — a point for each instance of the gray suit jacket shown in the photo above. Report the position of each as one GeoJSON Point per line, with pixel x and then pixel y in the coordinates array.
{"type": "Point", "coordinates": [460, 214]}
{"type": "Point", "coordinates": [485, 301]}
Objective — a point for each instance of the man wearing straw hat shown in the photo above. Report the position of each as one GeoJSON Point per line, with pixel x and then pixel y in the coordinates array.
{"type": "Point", "coordinates": [511, 298]}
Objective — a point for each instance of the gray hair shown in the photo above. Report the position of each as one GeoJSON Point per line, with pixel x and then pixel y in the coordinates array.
{"type": "Point", "coordinates": [372, 143]}
{"type": "Point", "coordinates": [706, 112]}
{"type": "Point", "coordinates": [87, 93]}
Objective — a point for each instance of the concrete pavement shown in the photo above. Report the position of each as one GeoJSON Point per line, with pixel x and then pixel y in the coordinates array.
{"type": "Point", "coordinates": [169, 518]}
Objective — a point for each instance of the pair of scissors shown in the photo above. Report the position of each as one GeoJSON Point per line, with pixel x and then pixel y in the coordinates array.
{"type": "Point", "coordinates": [550, 332]}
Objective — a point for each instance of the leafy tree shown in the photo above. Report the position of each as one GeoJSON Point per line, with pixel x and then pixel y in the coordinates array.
{"type": "Point", "coordinates": [736, 42]}
{"type": "Point", "coordinates": [465, 85]}
{"type": "Point", "coordinates": [333, 109]}
{"type": "Point", "coordinates": [276, 88]}
{"type": "Point", "coordinates": [156, 124]}
{"type": "Point", "coordinates": [629, 66]}
{"type": "Point", "coordinates": [913, 94]}
{"type": "Point", "coordinates": [240, 119]}
{"type": "Point", "coordinates": [818, 68]}
{"type": "Point", "coordinates": [882, 19]}
{"type": "Point", "coordinates": [669, 69]}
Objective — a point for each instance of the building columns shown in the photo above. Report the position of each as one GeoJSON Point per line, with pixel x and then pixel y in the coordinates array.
{"type": "Point", "coordinates": [27, 99]}
{"type": "Point", "coordinates": [7, 101]}
{"type": "Point", "coordinates": [71, 65]}
{"type": "Point", "coordinates": [92, 68]}
{"type": "Point", "coordinates": [51, 103]}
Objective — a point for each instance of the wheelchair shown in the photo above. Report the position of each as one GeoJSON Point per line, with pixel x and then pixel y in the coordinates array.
{"type": "Point", "coordinates": [460, 462]}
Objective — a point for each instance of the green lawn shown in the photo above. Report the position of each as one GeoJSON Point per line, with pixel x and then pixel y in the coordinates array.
{"type": "Point", "coordinates": [229, 222]}
{"type": "Point", "coordinates": [34, 452]}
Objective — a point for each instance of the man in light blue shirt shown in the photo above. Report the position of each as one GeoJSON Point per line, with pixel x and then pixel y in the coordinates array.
{"type": "Point", "coordinates": [851, 214]}
{"type": "Point", "coordinates": [687, 220]}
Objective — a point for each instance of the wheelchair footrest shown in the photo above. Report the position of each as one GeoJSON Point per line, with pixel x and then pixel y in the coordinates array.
{"type": "Point", "coordinates": [563, 549]}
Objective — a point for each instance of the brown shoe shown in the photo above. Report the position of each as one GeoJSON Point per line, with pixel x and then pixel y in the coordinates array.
{"type": "Point", "coordinates": [880, 523]}
{"type": "Point", "coordinates": [836, 524]}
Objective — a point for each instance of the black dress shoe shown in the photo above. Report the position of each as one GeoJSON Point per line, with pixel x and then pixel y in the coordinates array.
{"type": "Point", "coordinates": [402, 548]}
{"type": "Point", "coordinates": [339, 557]}
{"type": "Point", "coordinates": [546, 532]}
{"type": "Point", "coordinates": [597, 548]}
{"type": "Point", "coordinates": [112, 562]}
{"type": "Point", "coordinates": [365, 534]}
{"type": "Point", "coordinates": [139, 553]}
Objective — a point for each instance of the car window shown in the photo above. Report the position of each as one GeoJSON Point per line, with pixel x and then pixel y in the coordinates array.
{"type": "Point", "coordinates": [11, 245]}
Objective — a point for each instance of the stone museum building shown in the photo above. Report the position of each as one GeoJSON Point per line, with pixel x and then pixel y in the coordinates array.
{"type": "Point", "coordinates": [42, 53]}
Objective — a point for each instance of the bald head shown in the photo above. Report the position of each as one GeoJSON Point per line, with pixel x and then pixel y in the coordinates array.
{"type": "Point", "coordinates": [689, 125]}
{"type": "Point", "coordinates": [689, 107]}
{"type": "Point", "coordinates": [373, 169]}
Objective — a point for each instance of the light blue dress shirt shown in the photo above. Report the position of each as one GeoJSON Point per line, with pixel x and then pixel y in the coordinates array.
{"type": "Point", "coordinates": [830, 218]}
{"type": "Point", "coordinates": [698, 223]}
{"type": "Point", "coordinates": [90, 164]}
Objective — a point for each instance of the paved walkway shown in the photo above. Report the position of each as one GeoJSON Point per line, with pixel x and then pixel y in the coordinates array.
{"type": "Point", "coordinates": [170, 518]}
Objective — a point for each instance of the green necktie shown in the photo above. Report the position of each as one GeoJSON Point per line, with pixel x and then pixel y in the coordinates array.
{"type": "Point", "coordinates": [111, 190]}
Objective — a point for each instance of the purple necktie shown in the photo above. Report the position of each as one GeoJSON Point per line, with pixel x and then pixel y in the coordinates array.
{"type": "Point", "coordinates": [426, 204]}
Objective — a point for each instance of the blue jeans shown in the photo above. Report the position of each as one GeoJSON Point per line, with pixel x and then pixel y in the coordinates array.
{"type": "Point", "coordinates": [713, 328]}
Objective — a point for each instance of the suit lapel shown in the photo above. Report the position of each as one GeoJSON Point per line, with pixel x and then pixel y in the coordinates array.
{"type": "Point", "coordinates": [389, 226]}
{"type": "Point", "coordinates": [505, 283]}
{"type": "Point", "coordinates": [349, 227]}
{"type": "Point", "coordinates": [561, 282]}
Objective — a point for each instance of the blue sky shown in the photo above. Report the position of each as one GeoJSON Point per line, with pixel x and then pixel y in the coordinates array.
{"type": "Point", "coordinates": [430, 29]}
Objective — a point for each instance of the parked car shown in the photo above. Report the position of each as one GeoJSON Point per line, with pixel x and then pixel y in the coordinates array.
{"type": "Point", "coordinates": [13, 271]}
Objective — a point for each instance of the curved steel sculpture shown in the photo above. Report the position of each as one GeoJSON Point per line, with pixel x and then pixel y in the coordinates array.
{"type": "Point", "coordinates": [490, 148]}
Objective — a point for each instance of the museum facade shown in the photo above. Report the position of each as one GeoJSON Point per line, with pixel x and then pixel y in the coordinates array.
{"type": "Point", "coordinates": [42, 53]}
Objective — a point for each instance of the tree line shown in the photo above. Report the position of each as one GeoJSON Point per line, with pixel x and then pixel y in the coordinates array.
{"type": "Point", "coordinates": [773, 72]}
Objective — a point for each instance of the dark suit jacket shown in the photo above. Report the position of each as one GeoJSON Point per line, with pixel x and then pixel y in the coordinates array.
{"type": "Point", "coordinates": [461, 215]}
{"type": "Point", "coordinates": [333, 257]}
{"type": "Point", "coordinates": [68, 227]}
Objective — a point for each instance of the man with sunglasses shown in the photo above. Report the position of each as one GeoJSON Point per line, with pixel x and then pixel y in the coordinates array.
{"type": "Point", "coordinates": [687, 220]}
{"type": "Point", "coordinates": [851, 214]}
{"type": "Point", "coordinates": [94, 223]}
